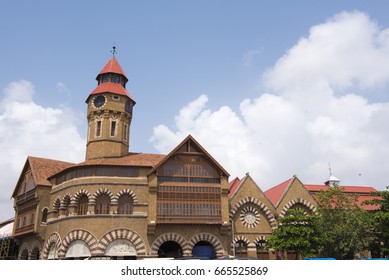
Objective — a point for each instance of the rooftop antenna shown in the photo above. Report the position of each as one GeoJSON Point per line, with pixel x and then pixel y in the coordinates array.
{"type": "Point", "coordinates": [114, 49]}
{"type": "Point", "coordinates": [329, 168]}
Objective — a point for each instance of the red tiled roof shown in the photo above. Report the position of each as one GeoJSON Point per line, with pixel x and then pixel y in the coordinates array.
{"type": "Point", "coordinates": [113, 66]}
{"type": "Point", "coordinates": [233, 186]}
{"type": "Point", "coordinates": [274, 194]}
{"type": "Point", "coordinates": [112, 88]}
{"type": "Point", "coordinates": [43, 168]}
{"type": "Point", "coordinates": [347, 189]}
{"type": "Point", "coordinates": [132, 159]}
{"type": "Point", "coordinates": [364, 193]}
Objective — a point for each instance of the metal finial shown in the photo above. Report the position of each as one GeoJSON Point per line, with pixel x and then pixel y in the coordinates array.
{"type": "Point", "coordinates": [113, 50]}
{"type": "Point", "coordinates": [329, 167]}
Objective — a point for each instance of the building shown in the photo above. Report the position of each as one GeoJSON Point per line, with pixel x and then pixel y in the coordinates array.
{"type": "Point", "coordinates": [129, 205]}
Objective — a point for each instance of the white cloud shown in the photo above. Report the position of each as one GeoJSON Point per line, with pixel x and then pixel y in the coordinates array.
{"type": "Point", "coordinates": [316, 112]}
{"type": "Point", "coordinates": [27, 128]}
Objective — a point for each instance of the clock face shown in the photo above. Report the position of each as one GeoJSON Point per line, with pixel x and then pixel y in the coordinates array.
{"type": "Point", "coordinates": [99, 101]}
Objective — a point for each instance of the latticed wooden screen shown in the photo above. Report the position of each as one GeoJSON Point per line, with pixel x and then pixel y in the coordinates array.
{"type": "Point", "coordinates": [188, 189]}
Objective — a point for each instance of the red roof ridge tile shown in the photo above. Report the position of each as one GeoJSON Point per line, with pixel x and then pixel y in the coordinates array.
{"type": "Point", "coordinates": [113, 66]}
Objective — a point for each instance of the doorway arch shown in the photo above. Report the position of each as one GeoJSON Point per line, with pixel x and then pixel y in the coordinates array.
{"type": "Point", "coordinates": [170, 249]}
{"type": "Point", "coordinates": [204, 249]}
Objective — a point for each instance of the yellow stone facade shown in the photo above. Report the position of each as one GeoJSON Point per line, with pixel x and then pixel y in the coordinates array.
{"type": "Point", "coordinates": [177, 205]}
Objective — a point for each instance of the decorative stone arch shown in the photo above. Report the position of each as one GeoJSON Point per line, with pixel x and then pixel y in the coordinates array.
{"type": "Point", "coordinates": [35, 254]}
{"type": "Point", "coordinates": [66, 202]}
{"type": "Point", "coordinates": [211, 239]}
{"type": "Point", "coordinates": [30, 250]}
{"type": "Point", "coordinates": [259, 239]}
{"type": "Point", "coordinates": [268, 214]}
{"type": "Point", "coordinates": [292, 202]}
{"type": "Point", "coordinates": [66, 197]}
{"type": "Point", "coordinates": [23, 254]}
{"type": "Point", "coordinates": [102, 191]}
{"type": "Point", "coordinates": [78, 194]}
{"type": "Point", "coordinates": [171, 236]}
{"type": "Point", "coordinates": [259, 245]}
{"type": "Point", "coordinates": [129, 192]}
{"type": "Point", "coordinates": [57, 205]}
{"type": "Point", "coordinates": [76, 200]}
{"type": "Point", "coordinates": [122, 233]}
{"type": "Point", "coordinates": [242, 238]}
{"type": "Point", "coordinates": [53, 240]}
{"type": "Point", "coordinates": [78, 234]}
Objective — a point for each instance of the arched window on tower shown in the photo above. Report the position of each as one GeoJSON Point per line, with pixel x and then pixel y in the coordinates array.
{"type": "Point", "coordinates": [44, 215]}
{"type": "Point", "coordinates": [103, 203]}
{"type": "Point", "coordinates": [82, 205]}
{"type": "Point", "coordinates": [113, 128]}
{"type": "Point", "coordinates": [125, 204]}
{"type": "Point", "coordinates": [98, 128]}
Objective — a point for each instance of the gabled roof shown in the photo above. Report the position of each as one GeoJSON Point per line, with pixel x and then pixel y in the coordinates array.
{"type": "Point", "coordinates": [187, 139]}
{"type": "Point", "coordinates": [112, 66]}
{"type": "Point", "coordinates": [233, 186]}
{"type": "Point", "coordinates": [41, 169]}
{"type": "Point", "coordinates": [276, 193]}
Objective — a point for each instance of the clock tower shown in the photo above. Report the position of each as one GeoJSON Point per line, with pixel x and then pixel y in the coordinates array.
{"type": "Point", "coordinates": [109, 113]}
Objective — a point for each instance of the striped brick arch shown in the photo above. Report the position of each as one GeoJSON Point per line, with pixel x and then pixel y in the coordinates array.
{"type": "Point", "coordinates": [100, 192]}
{"type": "Point", "coordinates": [129, 192]}
{"type": "Point", "coordinates": [259, 239]}
{"type": "Point", "coordinates": [122, 233]}
{"type": "Point", "coordinates": [211, 239]}
{"type": "Point", "coordinates": [78, 194]}
{"type": "Point", "coordinates": [268, 214]}
{"type": "Point", "coordinates": [171, 236]}
{"type": "Point", "coordinates": [78, 234]}
{"type": "Point", "coordinates": [53, 240]}
{"type": "Point", "coordinates": [242, 238]}
{"type": "Point", "coordinates": [295, 201]}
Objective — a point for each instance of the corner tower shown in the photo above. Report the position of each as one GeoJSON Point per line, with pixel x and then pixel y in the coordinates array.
{"type": "Point", "coordinates": [109, 113]}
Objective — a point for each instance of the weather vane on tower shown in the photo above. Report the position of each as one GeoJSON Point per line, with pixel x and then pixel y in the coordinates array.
{"type": "Point", "coordinates": [114, 49]}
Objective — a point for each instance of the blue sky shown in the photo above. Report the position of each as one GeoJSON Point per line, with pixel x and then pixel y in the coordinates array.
{"type": "Point", "coordinates": [250, 80]}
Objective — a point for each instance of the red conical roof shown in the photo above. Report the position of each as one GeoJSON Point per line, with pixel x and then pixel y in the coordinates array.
{"type": "Point", "coordinates": [113, 66]}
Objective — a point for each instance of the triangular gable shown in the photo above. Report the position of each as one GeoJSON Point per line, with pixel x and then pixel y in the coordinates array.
{"type": "Point", "coordinates": [290, 192]}
{"type": "Point", "coordinates": [247, 181]}
{"type": "Point", "coordinates": [21, 185]}
{"type": "Point", "coordinates": [190, 145]}
{"type": "Point", "coordinates": [40, 169]}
